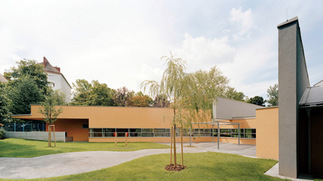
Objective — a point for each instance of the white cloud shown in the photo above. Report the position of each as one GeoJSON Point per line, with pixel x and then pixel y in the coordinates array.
{"type": "Point", "coordinates": [120, 42]}
{"type": "Point", "coordinates": [201, 52]}
{"type": "Point", "coordinates": [243, 18]}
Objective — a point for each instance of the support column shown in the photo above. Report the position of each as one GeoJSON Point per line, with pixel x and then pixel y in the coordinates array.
{"type": "Point", "coordinates": [239, 134]}
{"type": "Point", "coordinates": [218, 135]}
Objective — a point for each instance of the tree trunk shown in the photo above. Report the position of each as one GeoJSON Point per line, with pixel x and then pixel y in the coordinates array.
{"type": "Point", "coordinates": [171, 145]}
{"type": "Point", "coordinates": [175, 162]}
{"type": "Point", "coordinates": [54, 136]}
{"type": "Point", "coordinates": [182, 153]}
{"type": "Point", "coordinates": [49, 136]}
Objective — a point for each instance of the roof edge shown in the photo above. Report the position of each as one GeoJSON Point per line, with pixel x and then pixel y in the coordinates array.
{"type": "Point", "coordinates": [295, 19]}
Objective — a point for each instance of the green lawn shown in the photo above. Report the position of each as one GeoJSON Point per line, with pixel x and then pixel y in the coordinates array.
{"type": "Point", "coordinates": [12, 147]}
{"type": "Point", "coordinates": [200, 166]}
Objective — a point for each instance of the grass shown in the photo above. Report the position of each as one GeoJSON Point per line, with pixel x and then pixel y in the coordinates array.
{"type": "Point", "coordinates": [200, 166]}
{"type": "Point", "coordinates": [13, 147]}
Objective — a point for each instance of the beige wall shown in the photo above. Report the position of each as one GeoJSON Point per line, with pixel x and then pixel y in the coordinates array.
{"type": "Point", "coordinates": [267, 133]}
{"type": "Point", "coordinates": [72, 118]}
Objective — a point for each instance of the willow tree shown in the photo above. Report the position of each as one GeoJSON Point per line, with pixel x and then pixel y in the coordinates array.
{"type": "Point", "coordinates": [202, 88]}
{"type": "Point", "coordinates": [191, 95]}
{"type": "Point", "coordinates": [50, 111]}
{"type": "Point", "coordinates": [171, 85]}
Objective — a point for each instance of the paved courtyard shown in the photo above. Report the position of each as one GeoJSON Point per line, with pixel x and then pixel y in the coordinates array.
{"type": "Point", "coordinates": [80, 162]}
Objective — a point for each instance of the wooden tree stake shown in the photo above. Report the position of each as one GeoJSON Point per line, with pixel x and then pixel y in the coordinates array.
{"type": "Point", "coordinates": [182, 147]}
{"type": "Point", "coordinates": [171, 145]}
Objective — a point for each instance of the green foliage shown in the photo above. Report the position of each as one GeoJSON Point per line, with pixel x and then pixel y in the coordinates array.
{"type": "Point", "coordinates": [200, 166]}
{"type": "Point", "coordinates": [23, 92]}
{"type": "Point", "coordinates": [273, 95]}
{"type": "Point", "coordinates": [32, 148]}
{"type": "Point", "coordinates": [59, 97]}
{"type": "Point", "coordinates": [231, 93]}
{"type": "Point", "coordinates": [27, 85]}
{"type": "Point", "coordinates": [2, 133]}
{"type": "Point", "coordinates": [49, 110]}
{"type": "Point", "coordinates": [191, 91]}
{"type": "Point", "coordinates": [92, 94]}
{"type": "Point", "coordinates": [171, 85]}
{"type": "Point", "coordinates": [201, 90]}
{"type": "Point", "coordinates": [141, 101]}
{"type": "Point", "coordinates": [122, 97]}
{"type": "Point", "coordinates": [5, 105]}
{"type": "Point", "coordinates": [258, 100]}
{"type": "Point", "coordinates": [29, 68]}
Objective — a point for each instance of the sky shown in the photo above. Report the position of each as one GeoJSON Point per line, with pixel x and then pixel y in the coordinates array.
{"type": "Point", "coordinates": [121, 43]}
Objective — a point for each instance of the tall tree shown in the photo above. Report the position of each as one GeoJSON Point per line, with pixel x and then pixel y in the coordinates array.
{"type": "Point", "coordinates": [273, 95]}
{"type": "Point", "coordinates": [82, 92]}
{"type": "Point", "coordinates": [141, 101]}
{"type": "Point", "coordinates": [258, 100]}
{"type": "Point", "coordinates": [202, 89]}
{"type": "Point", "coordinates": [23, 92]}
{"type": "Point", "coordinates": [232, 93]}
{"type": "Point", "coordinates": [92, 94]}
{"type": "Point", "coordinates": [5, 104]}
{"type": "Point", "coordinates": [51, 112]}
{"type": "Point", "coordinates": [123, 97]}
{"type": "Point", "coordinates": [161, 101]}
{"type": "Point", "coordinates": [29, 68]}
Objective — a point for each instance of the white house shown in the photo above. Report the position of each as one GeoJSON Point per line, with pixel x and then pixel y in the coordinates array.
{"type": "Point", "coordinates": [57, 79]}
{"type": "Point", "coordinates": [3, 79]}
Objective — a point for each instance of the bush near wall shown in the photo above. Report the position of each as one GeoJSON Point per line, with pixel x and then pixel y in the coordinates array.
{"type": "Point", "coordinates": [2, 133]}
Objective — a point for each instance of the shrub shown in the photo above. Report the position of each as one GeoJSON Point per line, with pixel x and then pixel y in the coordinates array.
{"type": "Point", "coordinates": [2, 133]}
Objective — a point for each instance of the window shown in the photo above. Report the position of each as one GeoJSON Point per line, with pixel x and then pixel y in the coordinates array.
{"type": "Point", "coordinates": [165, 132]}
{"type": "Point", "coordinates": [86, 126]}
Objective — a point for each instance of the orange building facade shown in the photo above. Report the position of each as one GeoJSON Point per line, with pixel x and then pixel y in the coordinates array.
{"type": "Point", "coordinates": [98, 124]}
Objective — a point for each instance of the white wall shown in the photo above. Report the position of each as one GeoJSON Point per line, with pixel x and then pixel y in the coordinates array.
{"type": "Point", "coordinates": [37, 135]}
{"type": "Point", "coordinates": [60, 84]}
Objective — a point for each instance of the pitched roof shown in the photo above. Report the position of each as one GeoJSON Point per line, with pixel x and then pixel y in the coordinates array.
{"type": "Point", "coordinates": [49, 68]}
{"type": "Point", "coordinates": [2, 78]}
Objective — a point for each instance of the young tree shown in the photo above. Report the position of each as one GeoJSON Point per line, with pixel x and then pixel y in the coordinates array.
{"type": "Point", "coordinates": [171, 85]}
{"type": "Point", "coordinates": [194, 92]}
{"type": "Point", "coordinates": [258, 100]}
{"type": "Point", "coordinates": [51, 112]}
{"type": "Point", "coordinates": [273, 95]}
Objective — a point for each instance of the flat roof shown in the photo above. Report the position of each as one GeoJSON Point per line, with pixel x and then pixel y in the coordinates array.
{"type": "Point", "coordinates": [288, 22]}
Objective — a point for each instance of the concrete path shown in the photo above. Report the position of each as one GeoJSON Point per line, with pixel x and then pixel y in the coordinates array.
{"type": "Point", "coordinates": [80, 162]}
{"type": "Point", "coordinates": [274, 172]}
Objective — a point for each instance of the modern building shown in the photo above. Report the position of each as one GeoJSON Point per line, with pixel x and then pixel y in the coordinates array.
{"type": "Point", "coordinates": [99, 123]}
{"type": "Point", "coordinates": [300, 108]}
{"type": "Point", "coordinates": [57, 79]}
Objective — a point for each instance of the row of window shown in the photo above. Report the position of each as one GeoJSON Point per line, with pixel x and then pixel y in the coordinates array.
{"type": "Point", "coordinates": [159, 132]}
{"type": "Point", "coordinates": [25, 127]}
